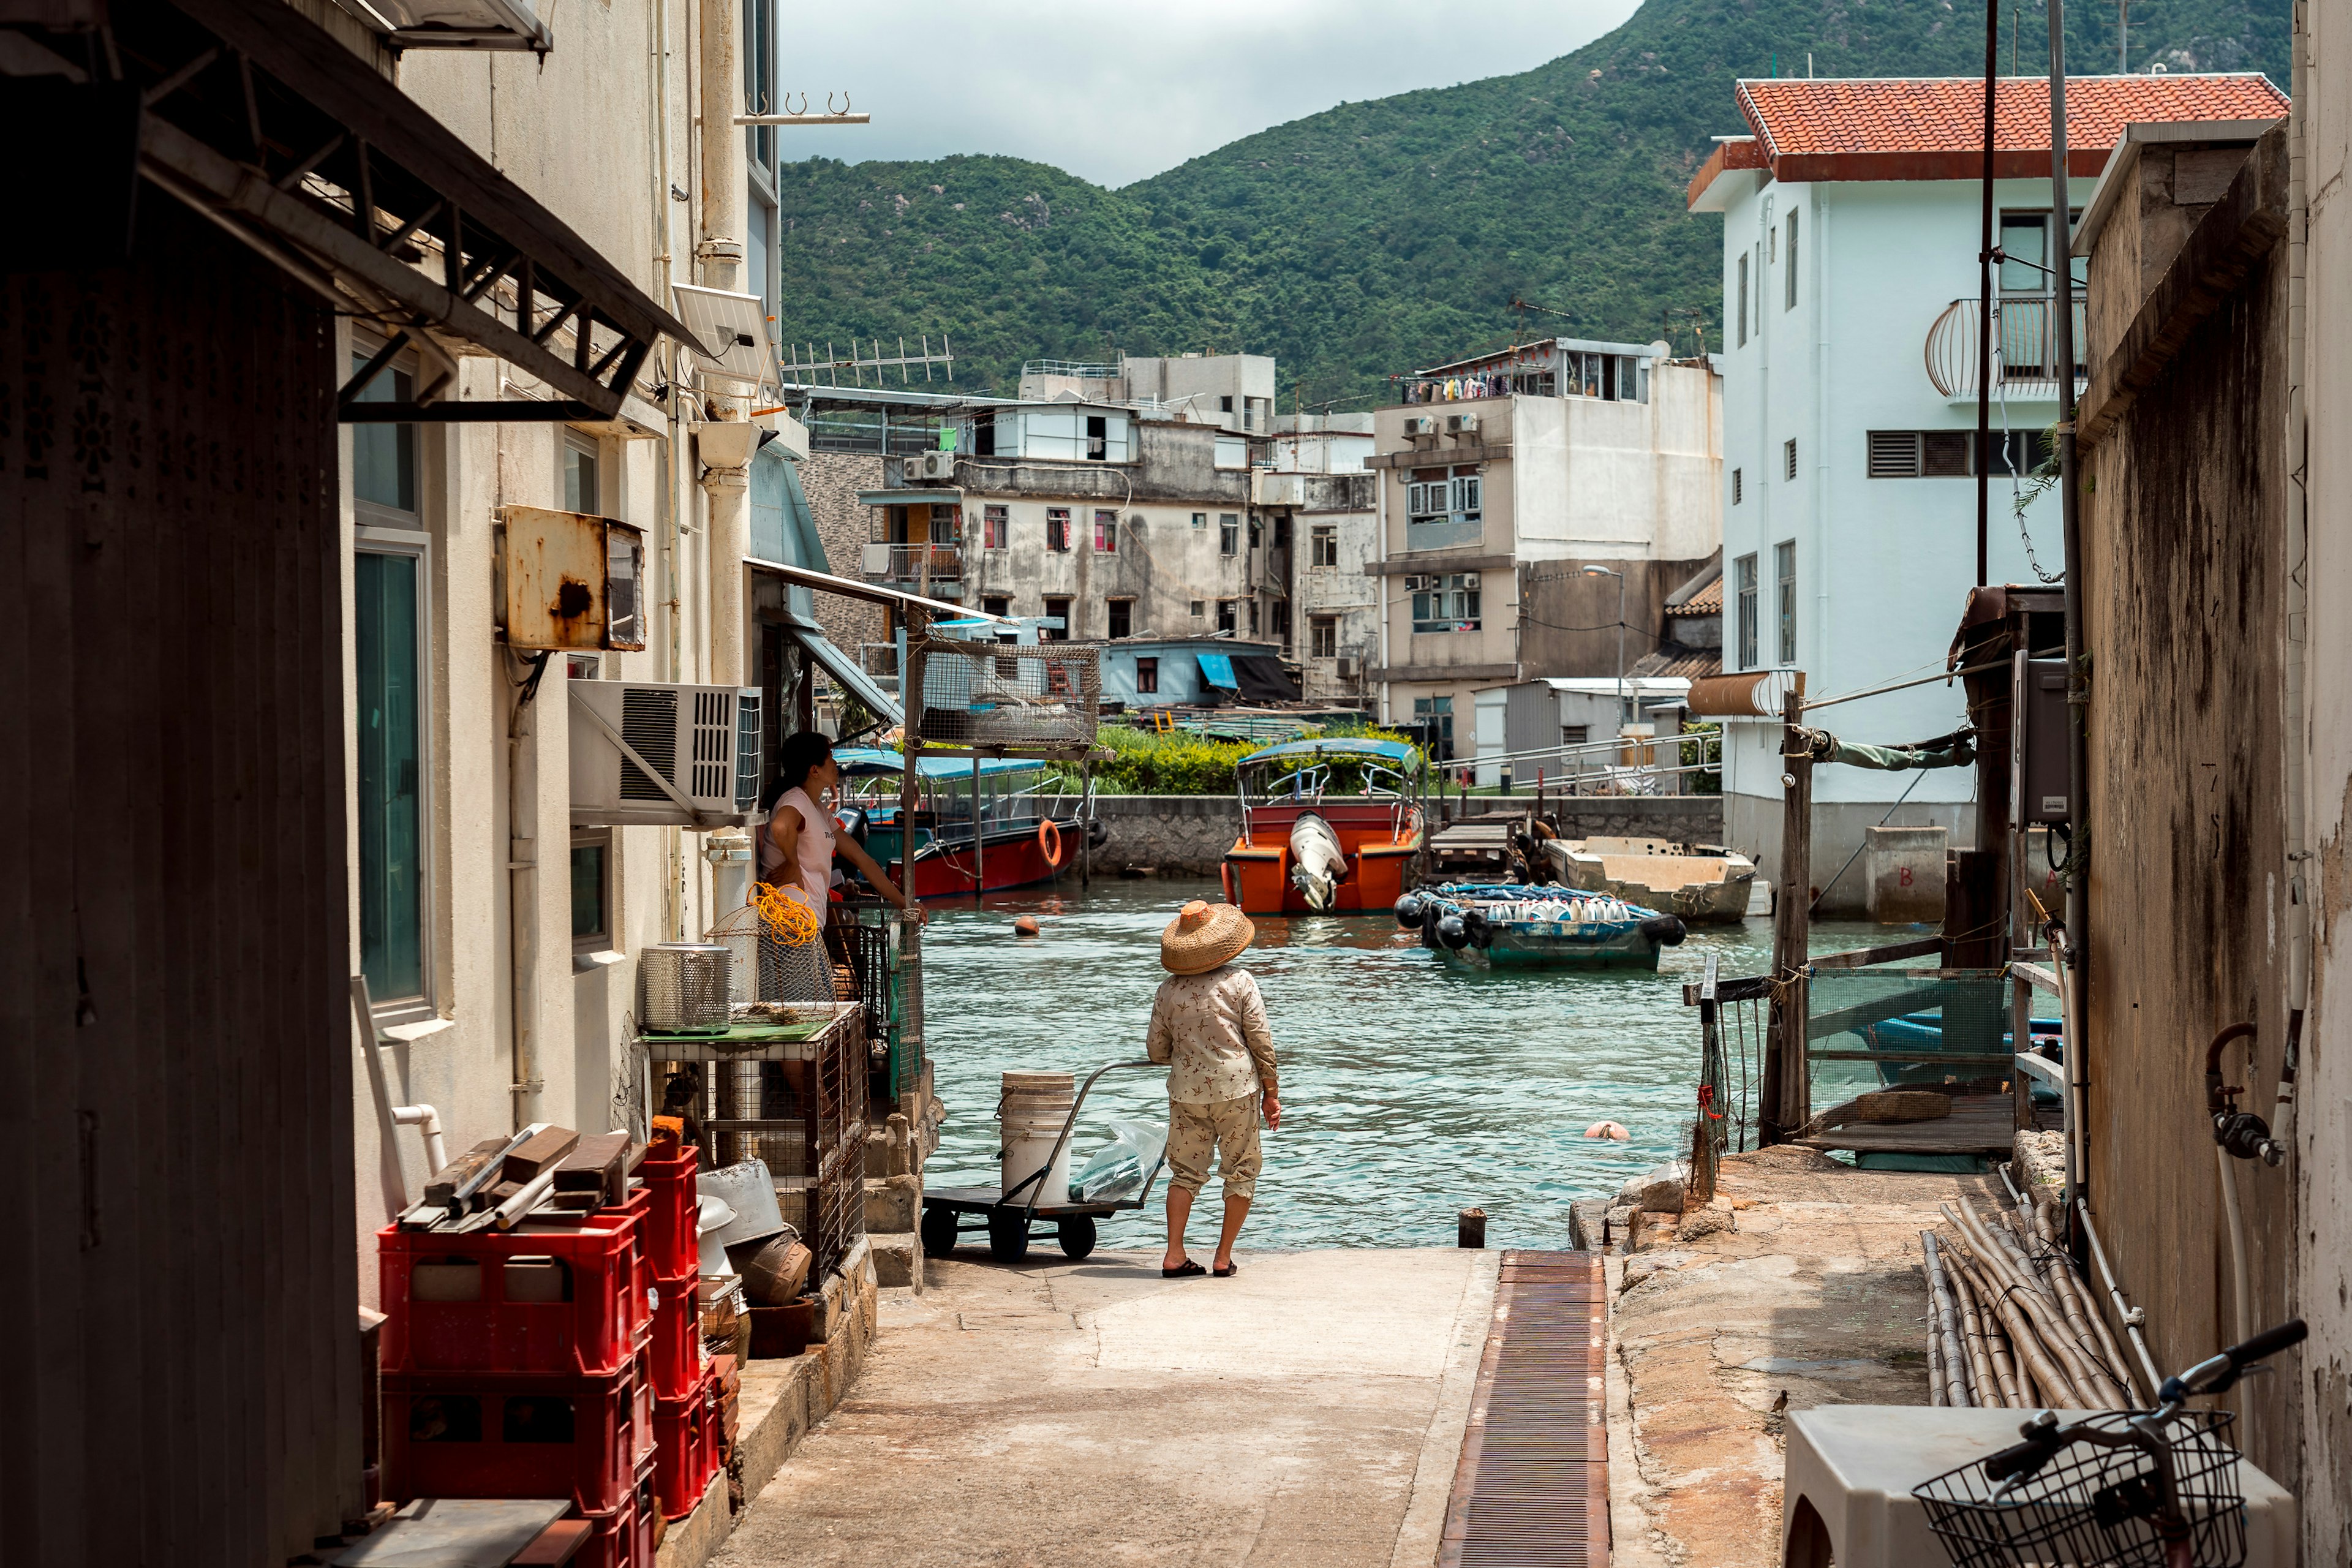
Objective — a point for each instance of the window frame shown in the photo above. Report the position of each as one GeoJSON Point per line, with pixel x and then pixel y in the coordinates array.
{"type": "Point", "coordinates": [1065, 615]}
{"type": "Point", "coordinates": [1229, 615]}
{"type": "Point", "coordinates": [580, 444]}
{"type": "Point", "coordinates": [1431, 595]}
{"type": "Point", "coordinates": [1737, 484]}
{"type": "Point", "coordinates": [1323, 637]}
{"type": "Point", "coordinates": [1744, 605]}
{"type": "Point", "coordinates": [1323, 546]}
{"type": "Point", "coordinates": [1789, 276]}
{"type": "Point", "coordinates": [1106, 530]}
{"type": "Point", "coordinates": [1057, 530]}
{"type": "Point", "coordinates": [1114, 611]}
{"type": "Point", "coordinates": [1147, 675]}
{"type": "Point", "coordinates": [601, 941]}
{"type": "Point", "coordinates": [1229, 533]}
{"type": "Point", "coordinates": [1784, 597]}
{"type": "Point", "coordinates": [995, 525]}
{"type": "Point", "coordinates": [1743, 301]}
{"type": "Point", "coordinates": [1201, 519]}
{"type": "Point", "coordinates": [1789, 461]}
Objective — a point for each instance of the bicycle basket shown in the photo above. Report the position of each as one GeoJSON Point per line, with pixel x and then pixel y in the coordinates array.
{"type": "Point", "coordinates": [2094, 1505]}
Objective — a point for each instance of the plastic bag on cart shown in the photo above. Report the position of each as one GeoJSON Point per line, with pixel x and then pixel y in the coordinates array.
{"type": "Point", "coordinates": [1119, 1168]}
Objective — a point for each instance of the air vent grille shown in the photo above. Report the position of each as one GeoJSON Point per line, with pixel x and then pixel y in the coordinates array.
{"type": "Point", "coordinates": [714, 724]}
{"type": "Point", "coordinates": [650, 724]}
{"type": "Point", "coordinates": [747, 754]}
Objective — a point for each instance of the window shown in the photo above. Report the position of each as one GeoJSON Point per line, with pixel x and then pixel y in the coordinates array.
{"type": "Point", "coordinates": [1058, 615]}
{"type": "Point", "coordinates": [1097, 438]}
{"type": "Point", "coordinates": [983, 433]}
{"type": "Point", "coordinates": [1277, 621]}
{"type": "Point", "coordinates": [1743, 575]}
{"type": "Point", "coordinates": [1147, 676]}
{"type": "Point", "coordinates": [1200, 608]}
{"type": "Point", "coordinates": [1444, 604]}
{"type": "Point", "coordinates": [1229, 533]}
{"type": "Point", "coordinates": [1225, 405]}
{"type": "Point", "coordinates": [1789, 458]}
{"type": "Point", "coordinates": [995, 523]}
{"type": "Point", "coordinates": [1735, 486]}
{"type": "Point", "coordinates": [1435, 714]}
{"type": "Point", "coordinates": [581, 490]}
{"type": "Point", "coordinates": [1256, 534]}
{"type": "Point", "coordinates": [1425, 496]}
{"type": "Point", "coordinates": [1323, 637]}
{"type": "Point", "coordinates": [995, 604]}
{"type": "Point", "coordinates": [1743, 301]}
{"type": "Point", "coordinates": [1120, 614]}
{"type": "Point", "coordinates": [1945, 454]}
{"type": "Point", "coordinates": [1575, 734]}
{"type": "Point", "coordinates": [1058, 528]}
{"type": "Point", "coordinates": [1106, 533]}
{"type": "Point", "coordinates": [1464, 495]}
{"type": "Point", "coordinates": [1790, 279]}
{"type": "Point", "coordinates": [592, 889]}
{"type": "Point", "coordinates": [1228, 615]}
{"type": "Point", "coordinates": [1784, 569]}
{"type": "Point", "coordinates": [1323, 544]}
{"type": "Point", "coordinates": [1200, 520]}
{"type": "Point", "coordinates": [389, 624]}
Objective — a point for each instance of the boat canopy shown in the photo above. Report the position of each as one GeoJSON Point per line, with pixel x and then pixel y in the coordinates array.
{"type": "Point", "coordinates": [866, 760]}
{"type": "Point", "coordinates": [1396, 751]}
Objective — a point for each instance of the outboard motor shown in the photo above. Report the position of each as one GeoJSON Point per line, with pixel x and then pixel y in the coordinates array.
{"type": "Point", "coordinates": [1666, 931]}
{"type": "Point", "coordinates": [851, 819]}
{"type": "Point", "coordinates": [1452, 932]}
{"type": "Point", "coordinates": [1410, 912]}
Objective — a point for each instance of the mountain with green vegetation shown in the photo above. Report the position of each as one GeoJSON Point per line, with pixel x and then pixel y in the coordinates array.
{"type": "Point", "coordinates": [1376, 237]}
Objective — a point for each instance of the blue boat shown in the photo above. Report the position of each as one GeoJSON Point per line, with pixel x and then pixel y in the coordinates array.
{"type": "Point", "coordinates": [1512, 925]}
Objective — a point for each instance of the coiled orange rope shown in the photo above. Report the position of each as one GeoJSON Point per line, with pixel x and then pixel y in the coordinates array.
{"type": "Point", "coordinates": [786, 915]}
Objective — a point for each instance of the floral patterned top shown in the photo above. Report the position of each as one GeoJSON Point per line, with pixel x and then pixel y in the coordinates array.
{"type": "Point", "coordinates": [1211, 1029]}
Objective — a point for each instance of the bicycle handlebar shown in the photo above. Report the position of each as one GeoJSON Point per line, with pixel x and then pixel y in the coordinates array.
{"type": "Point", "coordinates": [2267, 1343]}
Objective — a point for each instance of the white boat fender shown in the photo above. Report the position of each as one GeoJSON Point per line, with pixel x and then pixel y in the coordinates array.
{"type": "Point", "coordinates": [1666, 931]}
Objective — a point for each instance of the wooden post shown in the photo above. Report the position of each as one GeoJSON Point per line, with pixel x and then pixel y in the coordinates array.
{"type": "Point", "coordinates": [1787, 1094]}
{"type": "Point", "coordinates": [1086, 823]}
{"type": "Point", "coordinates": [978, 841]}
{"type": "Point", "coordinates": [911, 704]}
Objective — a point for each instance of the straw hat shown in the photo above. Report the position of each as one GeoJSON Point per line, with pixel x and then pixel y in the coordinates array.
{"type": "Point", "coordinates": [1202, 936]}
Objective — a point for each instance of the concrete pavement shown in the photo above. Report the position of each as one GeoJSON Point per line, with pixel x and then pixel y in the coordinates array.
{"type": "Point", "coordinates": [1306, 1412]}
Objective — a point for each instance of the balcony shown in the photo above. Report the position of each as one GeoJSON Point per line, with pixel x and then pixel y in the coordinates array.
{"type": "Point", "coordinates": [2025, 347]}
{"type": "Point", "coordinates": [898, 563]}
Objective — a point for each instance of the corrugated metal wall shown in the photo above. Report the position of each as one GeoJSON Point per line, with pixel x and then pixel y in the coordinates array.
{"type": "Point", "coordinates": [178, 1339]}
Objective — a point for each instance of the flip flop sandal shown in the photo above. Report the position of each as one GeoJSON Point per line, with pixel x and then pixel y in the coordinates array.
{"type": "Point", "coordinates": [1227, 1272]}
{"type": "Point", "coordinates": [1185, 1270]}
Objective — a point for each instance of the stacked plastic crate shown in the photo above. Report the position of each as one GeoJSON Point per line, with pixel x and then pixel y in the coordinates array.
{"type": "Point", "coordinates": [560, 1359]}
{"type": "Point", "coordinates": [686, 1425]}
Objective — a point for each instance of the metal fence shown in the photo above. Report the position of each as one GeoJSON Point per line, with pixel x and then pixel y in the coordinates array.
{"type": "Point", "coordinates": [1732, 1017]}
{"type": "Point", "coordinates": [1045, 696]}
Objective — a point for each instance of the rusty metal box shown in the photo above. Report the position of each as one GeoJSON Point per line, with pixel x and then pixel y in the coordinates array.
{"type": "Point", "coordinates": [572, 582]}
{"type": "Point", "coordinates": [2037, 764]}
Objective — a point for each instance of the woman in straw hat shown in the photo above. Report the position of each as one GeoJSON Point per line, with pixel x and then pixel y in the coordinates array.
{"type": "Point", "coordinates": [1208, 1024]}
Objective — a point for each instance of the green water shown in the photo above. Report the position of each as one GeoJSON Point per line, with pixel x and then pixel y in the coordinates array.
{"type": "Point", "coordinates": [1411, 1089]}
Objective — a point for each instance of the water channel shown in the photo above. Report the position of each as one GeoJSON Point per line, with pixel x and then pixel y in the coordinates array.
{"type": "Point", "coordinates": [1411, 1089]}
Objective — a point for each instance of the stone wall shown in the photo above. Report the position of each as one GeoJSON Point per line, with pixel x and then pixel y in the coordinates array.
{"type": "Point", "coordinates": [1190, 833]}
{"type": "Point", "coordinates": [832, 481]}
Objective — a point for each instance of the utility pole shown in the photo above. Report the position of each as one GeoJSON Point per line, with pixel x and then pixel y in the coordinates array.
{"type": "Point", "coordinates": [1605, 572]}
{"type": "Point", "coordinates": [1984, 313]}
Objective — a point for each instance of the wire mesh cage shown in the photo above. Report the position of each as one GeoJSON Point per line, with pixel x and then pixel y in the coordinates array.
{"type": "Point", "coordinates": [777, 955]}
{"type": "Point", "coordinates": [1043, 696]}
{"type": "Point", "coordinates": [2097, 1504]}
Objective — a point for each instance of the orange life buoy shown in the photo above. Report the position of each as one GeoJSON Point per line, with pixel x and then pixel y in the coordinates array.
{"type": "Point", "coordinates": [1049, 841]}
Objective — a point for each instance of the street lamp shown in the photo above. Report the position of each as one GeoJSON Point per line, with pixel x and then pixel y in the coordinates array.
{"type": "Point", "coordinates": [1605, 572]}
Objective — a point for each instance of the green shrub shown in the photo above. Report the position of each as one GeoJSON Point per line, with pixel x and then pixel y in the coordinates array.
{"type": "Point", "coordinates": [1146, 763]}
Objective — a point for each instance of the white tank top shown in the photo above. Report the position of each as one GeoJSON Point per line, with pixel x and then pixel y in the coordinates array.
{"type": "Point", "coordinates": [813, 857]}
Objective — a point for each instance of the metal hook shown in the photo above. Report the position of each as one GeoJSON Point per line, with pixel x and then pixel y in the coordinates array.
{"type": "Point", "coordinates": [788, 104]}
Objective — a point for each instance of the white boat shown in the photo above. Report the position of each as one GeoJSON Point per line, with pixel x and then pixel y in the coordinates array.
{"type": "Point", "coordinates": [1703, 883]}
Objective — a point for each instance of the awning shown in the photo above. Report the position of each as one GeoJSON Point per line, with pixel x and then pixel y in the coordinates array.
{"type": "Point", "coordinates": [1263, 679]}
{"type": "Point", "coordinates": [1217, 669]}
{"type": "Point", "coordinates": [844, 670]}
{"type": "Point", "coordinates": [458, 24]}
{"type": "Point", "coordinates": [259, 120]}
{"type": "Point", "coordinates": [1755, 694]}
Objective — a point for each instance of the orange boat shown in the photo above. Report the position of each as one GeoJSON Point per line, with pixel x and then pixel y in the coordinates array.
{"type": "Point", "coordinates": [1303, 851]}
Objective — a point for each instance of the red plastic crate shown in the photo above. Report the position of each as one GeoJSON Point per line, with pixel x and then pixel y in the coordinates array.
{"type": "Point", "coordinates": [669, 1234]}
{"type": "Point", "coordinates": [517, 1436]}
{"type": "Point", "coordinates": [686, 1451]}
{"type": "Point", "coordinates": [623, 1537]}
{"type": "Point", "coordinates": [676, 1355]}
{"type": "Point", "coordinates": [485, 1302]}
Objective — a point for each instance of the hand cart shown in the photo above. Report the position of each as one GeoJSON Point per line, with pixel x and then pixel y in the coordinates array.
{"type": "Point", "coordinates": [1011, 1217]}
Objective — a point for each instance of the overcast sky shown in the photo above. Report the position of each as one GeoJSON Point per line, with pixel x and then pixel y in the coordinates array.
{"type": "Point", "coordinates": [1119, 91]}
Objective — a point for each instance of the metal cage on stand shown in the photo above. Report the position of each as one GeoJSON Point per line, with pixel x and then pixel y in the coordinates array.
{"type": "Point", "coordinates": [1041, 698]}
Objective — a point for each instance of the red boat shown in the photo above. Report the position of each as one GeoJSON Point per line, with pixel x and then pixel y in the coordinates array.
{"type": "Point", "coordinates": [1021, 840]}
{"type": "Point", "coordinates": [1303, 850]}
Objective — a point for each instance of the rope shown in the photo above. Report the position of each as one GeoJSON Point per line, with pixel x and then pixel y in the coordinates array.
{"type": "Point", "coordinates": [786, 915]}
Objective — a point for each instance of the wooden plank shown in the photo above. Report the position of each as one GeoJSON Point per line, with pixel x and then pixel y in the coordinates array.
{"type": "Point", "coordinates": [2034, 974]}
{"type": "Point", "coordinates": [1891, 953]}
{"type": "Point", "coordinates": [598, 1164]}
{"type": "Point", "coordinates": [538, 1153]}
{"type": "Point", "coordinates": [1979, 1124]}
{"type": "Point", "coordinates": [442, 1186]}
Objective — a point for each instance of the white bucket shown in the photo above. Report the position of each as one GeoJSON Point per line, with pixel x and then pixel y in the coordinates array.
{"type": "Point", "coordinates": [1034, 1109]}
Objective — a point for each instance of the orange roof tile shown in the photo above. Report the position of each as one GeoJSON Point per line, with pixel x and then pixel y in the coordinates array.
{"type": "Point", "coordinates": [1708, 601]}
{"type": "Point", "coordinates": [1932, 128]}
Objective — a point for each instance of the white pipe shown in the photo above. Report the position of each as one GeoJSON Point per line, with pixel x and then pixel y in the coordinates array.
{"type": "Point", "coordinates": [2294, 589]}
{"type": "Point", "coordinates": [427, 1122]}
{"type": "Point", "coordinates": [2240, 1282]}
{"type": "Point", "coordinates": [2130, 1317]}
{"type": "Point", "coordinates": [387, 1139]}
{"type": "Point", "coordinates": [522, 902]}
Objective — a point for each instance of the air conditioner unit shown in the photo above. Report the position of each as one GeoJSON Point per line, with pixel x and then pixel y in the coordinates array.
{"type": "Point", "coordinates": [1349, 665]}
{"type": "Point", "coordinates": [1469, 579]}
{"type": "Point", "coordinates": [1421, 425]}
{"type": "Point", "coordinates": [929, 467]}
{"type": "Point", "coordinates": [651, 754]}
{"type": "Point", "coordinates": [1462, 425]}
{"type": "Point", "coordinates": [569, 582]}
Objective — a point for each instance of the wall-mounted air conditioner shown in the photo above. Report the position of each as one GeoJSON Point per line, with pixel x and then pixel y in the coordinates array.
{"type": "Point", "coordinates": [645, 753]}
{"type": "Point", "coordinates": [1420, 425]}
{"type": "Point", "coordinates": [1462, 425]}
{"type": "Point", "coordinates": [1350, 666]}
{"type": "Point", "coordinates": [929, 467]}
{"type": "Point", "coordinates": [569, 582]}
{"type": "Point", "coordinates": [1469, 579]}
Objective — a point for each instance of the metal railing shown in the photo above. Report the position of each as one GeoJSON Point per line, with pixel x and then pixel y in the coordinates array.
{"type": "Point", "coordinates": [907, 563]}
{"type": "Point", "coordinates": [2025, 347]}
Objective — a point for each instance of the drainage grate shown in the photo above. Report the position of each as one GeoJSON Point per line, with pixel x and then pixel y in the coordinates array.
{"type": "Point", "coordinates": [1532, 1486]}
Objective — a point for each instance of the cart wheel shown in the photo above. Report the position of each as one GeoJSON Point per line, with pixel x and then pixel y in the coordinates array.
{"type": "Point", "coordinates": [939, 1232]}
{"type": "Point", "coordinates": [1008, 1236]}
{"type": "Point", "coordinates": [1077, 1237]}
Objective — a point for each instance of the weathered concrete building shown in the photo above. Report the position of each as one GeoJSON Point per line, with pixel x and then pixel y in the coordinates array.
{"type": "Point", "coordinates": [1319, 479]}
{"type": "Point", "coordinates": [1517, 498]}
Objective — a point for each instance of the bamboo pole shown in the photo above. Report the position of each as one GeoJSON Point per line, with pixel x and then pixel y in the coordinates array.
{"type": "Point", "coordinates": [1996, 1376]}
{"type": "Point", "coordinates": [1938, 1393]}
{"type": "Point", "coordinates": [2110, 1350]}
{"type": "Point", "coordinates": [2015, 1301]}
{"type": "Point", "coordinates": [1946, 1333]}
{"type": "Point", "coordinates": [2038, 1297]}
{"type": "Point", "coordinates": [2103, 1370]}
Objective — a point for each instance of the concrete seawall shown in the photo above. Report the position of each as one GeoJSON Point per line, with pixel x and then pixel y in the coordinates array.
{"type": "Point", "coordinates": [1188, 833]}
